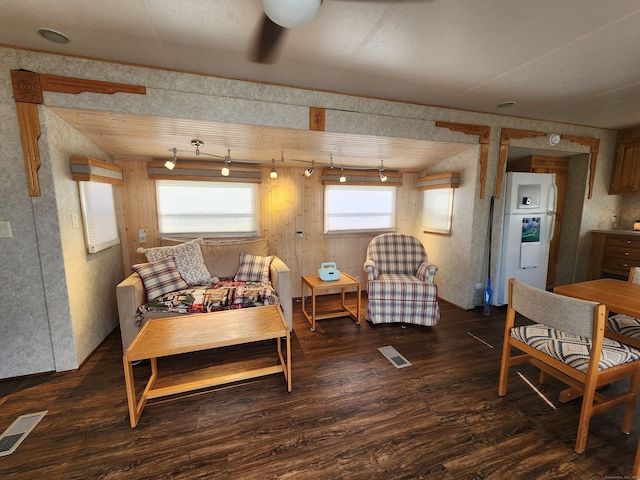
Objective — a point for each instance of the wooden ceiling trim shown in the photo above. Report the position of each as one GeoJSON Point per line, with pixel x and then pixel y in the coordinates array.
{"type": "Point", "coordinates": [27, 92]}
{"type": "Point", "coordinates": [594, 145]}
{"type": "Point", "coordinates": [484, 137]}
{"type": "Point", "coordinates": [505, 140]}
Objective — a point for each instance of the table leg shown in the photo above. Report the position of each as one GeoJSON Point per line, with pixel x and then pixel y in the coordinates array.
{"type": "Point", "coordinates": [313, 309]}
{"type": "Point", "coordinates": [358, 304]}
{"type": "Point", "coordinates": [131, 391]}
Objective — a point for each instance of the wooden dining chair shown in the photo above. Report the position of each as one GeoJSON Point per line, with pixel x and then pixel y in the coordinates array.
{"type": "Point", "coordinates": [624, 328]}
{"type": "Point", "coordinates": [567, 342]}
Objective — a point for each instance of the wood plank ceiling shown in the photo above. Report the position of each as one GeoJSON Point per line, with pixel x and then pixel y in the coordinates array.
{"type": "Point", "coordinates": [126, 136]}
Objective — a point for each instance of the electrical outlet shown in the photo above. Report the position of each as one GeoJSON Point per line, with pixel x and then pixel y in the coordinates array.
{"type": "Point", "coordinates": [299, 234]}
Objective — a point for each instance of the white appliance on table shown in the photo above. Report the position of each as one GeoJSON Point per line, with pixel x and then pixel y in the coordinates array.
{"type": "Point", "coordinates": [528, 227]}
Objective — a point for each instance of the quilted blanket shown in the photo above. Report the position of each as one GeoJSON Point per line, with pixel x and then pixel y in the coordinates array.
{"type": "Point", "coordinates": [223, 295]}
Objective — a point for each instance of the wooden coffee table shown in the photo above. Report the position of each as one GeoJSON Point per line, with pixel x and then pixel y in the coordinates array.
{"type": "Point", "coordinates": [192, 333]}
{"type": "Point", "coordinates": [315, 284]}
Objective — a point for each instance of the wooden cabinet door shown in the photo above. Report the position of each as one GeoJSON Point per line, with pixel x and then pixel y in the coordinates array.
{"type": "Point", "coordinates": [626, 170]}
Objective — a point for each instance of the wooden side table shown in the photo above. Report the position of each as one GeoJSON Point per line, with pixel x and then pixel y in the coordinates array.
{"type": "Point", "coordinates": [314, 283]}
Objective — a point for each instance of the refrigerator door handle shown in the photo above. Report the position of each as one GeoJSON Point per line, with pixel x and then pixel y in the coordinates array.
{"type": "Point", "coordinates": [553, 197]}
{"type": "Point", "coordinates": [552, 230]}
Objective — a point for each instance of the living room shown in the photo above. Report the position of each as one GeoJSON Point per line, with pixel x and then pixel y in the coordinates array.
{"type": "Point", "coordinates": [55, 326]}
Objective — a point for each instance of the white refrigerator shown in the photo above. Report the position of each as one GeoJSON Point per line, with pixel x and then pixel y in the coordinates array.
{"type": "Point", "coordinates": [528, 227]}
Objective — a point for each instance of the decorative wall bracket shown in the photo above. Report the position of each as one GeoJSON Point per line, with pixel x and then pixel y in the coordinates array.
{"type": "Point", "coordinates": [484, 136]}
{"type": "Point", "coordinates": [505, 140]}
{"type": "Point", "coordinates": [27, 92]}
{"type": "Point", "coordinates": [594, 145]}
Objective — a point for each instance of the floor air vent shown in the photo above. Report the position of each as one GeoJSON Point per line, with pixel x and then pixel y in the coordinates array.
{"type": "Point", "coordinates": [394, 357]}
{"type": "Point", "coordinates": [18, 431]}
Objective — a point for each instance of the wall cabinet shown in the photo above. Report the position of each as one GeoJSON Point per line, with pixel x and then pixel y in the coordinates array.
{"type": "Point", "coordinates": [613, 253]}
{"type": "Point", "coordinates": [625, 177]}
{"type": "Point", "coordinates": [559, 166]}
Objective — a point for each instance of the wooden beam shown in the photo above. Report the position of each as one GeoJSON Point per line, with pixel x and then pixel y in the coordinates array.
{"type": "Point", "coordinates": [484, 136]}
{"type": "Point", "coordinates": [27, 92]}
{"type": "Point", "coordinates": [29, 134]}
{"type": "Point", "coordinates": [594, 145]}
{"type": "Point", "coordinates": [505, 140]}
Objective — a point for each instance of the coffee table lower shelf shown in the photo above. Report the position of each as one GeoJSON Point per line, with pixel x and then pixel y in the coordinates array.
{"type": "Point", "coordinates": [175, 335]}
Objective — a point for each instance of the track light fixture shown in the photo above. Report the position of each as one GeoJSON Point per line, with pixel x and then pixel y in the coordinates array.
{"type": "Point", "coordinates": [343, 179]}
{"type": "Point", "coordinates": [171, 163]}
{"type": "Point", "coordinates": [273, 173]}
{"type": "Point", "coordinates": [197, 144]}
{"type": "Point", "coordinates": [383, 177]}
{"type": "Point", "coordinates": [309, 171]}
{"type": "Point", "coordinates": [227, 160]}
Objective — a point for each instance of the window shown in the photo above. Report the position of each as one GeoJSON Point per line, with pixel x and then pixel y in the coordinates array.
{"type": "Point", "coordinates": [437, 210]}
{"type": "Point", "coordinates": [207, 208]}
{"type": "Point", "coordinates": [354, 208]}
{"type": "Point", "coordinates": [98, 215]}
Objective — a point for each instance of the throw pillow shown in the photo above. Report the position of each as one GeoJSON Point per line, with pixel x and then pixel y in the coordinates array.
{"type": "Point", "coordinates": [188, 257]}
{"type": "Point", "coordinates": [160, 277]}
{"type": "Point", "coordinates": [253, 268]}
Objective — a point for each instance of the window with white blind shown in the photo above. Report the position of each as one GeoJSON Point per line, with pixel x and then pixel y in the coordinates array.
{"type": "Point", "coordinates": [98, 215]}
{"type": "Point", "coordinates": [193, 208]}
{"type": "Point", "coordinates": [359, 208]}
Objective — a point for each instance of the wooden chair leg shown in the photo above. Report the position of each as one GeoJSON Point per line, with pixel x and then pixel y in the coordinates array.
{"type": "Point", "coordinates": [636, 464]}
{"type": "Point", "coordinates": [630, 408]}
{"type": "Point", "coordinates": [586, 412]}
{"type": "Point", "coordinates": [543, 377]}
{"type": "Point", "coordinates": [504, 370]}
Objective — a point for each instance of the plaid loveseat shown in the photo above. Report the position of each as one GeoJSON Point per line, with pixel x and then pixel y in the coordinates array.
{"type": "Point", "coordinates": [400, 281]}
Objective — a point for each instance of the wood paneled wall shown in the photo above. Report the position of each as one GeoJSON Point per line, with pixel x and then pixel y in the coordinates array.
{"type": "Point", "coordinates": [288, 204]}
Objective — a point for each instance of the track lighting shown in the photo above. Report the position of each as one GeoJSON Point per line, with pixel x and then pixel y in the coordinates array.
{"type": "Point", "coordinates": [383, 177]}
{"type": "Point", "coordinates": [171, 163]}
{"type": "Point", "coordinates": [343, 179]}
{"type": "Point", "coordinates": [197, 144]}
{"type": "Point", "coordinates": [273, 173]}
{"type": "Point", "coordinates": [309, 171]}
{"type": "Point", "coordinates": [227, 160]}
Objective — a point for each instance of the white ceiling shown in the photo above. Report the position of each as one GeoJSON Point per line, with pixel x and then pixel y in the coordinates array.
{"type": "Point", "coordinates": [574, 61]}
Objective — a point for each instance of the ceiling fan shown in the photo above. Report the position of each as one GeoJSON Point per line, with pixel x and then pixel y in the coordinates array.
{"type": "Point", "coordinates": [280, 15]}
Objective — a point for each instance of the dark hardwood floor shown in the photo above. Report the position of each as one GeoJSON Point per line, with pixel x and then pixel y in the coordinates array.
{"type": "Point", "coordinates": [351, 414]}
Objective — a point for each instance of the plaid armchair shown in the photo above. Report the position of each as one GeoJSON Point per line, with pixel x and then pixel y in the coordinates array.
{"type": "Point", "coordinates": [400, 281]}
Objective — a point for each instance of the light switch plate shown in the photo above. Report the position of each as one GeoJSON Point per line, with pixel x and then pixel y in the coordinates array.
{"type": "Point", "coordinates": [5, 230]}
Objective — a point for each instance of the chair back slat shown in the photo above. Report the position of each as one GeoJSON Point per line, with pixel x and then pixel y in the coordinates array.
{"type": "Point", "coordinates": [568, 314]}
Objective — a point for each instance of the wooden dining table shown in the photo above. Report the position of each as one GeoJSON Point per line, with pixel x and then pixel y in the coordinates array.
{"type": "Point", "coordinates": [619, 297]}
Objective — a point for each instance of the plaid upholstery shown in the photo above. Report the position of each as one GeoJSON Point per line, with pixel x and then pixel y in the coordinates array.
{"type": "Point", "coordinates": [160, 277]}
{"type": "Point", "coordinates": [253, 268]}
{"type": "Point", "coordinates": [573, 349]}
{"type": "Point", "coordinates": [400, 282]}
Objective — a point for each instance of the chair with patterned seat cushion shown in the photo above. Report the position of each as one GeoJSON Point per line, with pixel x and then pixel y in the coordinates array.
{"type": "Point", "coordinates": [624, 328]}
{"type": "Point", "coordinates": [567, 342]}
{"type": "Point", "coordinates": [400, 285]}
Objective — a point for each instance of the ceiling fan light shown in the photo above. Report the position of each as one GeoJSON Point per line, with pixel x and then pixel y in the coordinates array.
{"type": "Point", "coordinates": [291, 13]}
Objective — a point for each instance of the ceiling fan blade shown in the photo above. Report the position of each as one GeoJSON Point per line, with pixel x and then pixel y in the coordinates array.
{"type": "Point", "coordinates": [268, 42]}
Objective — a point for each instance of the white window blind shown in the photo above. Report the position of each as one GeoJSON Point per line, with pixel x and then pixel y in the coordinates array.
{"type": "Point", "coordinates": [437, 210]}
{"type": "Point", "coordinates": [207, 208]}
{"type": "Point", "coordinates": [99, 216]}
{"type": "Point", "coordinates": [358, 208]}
